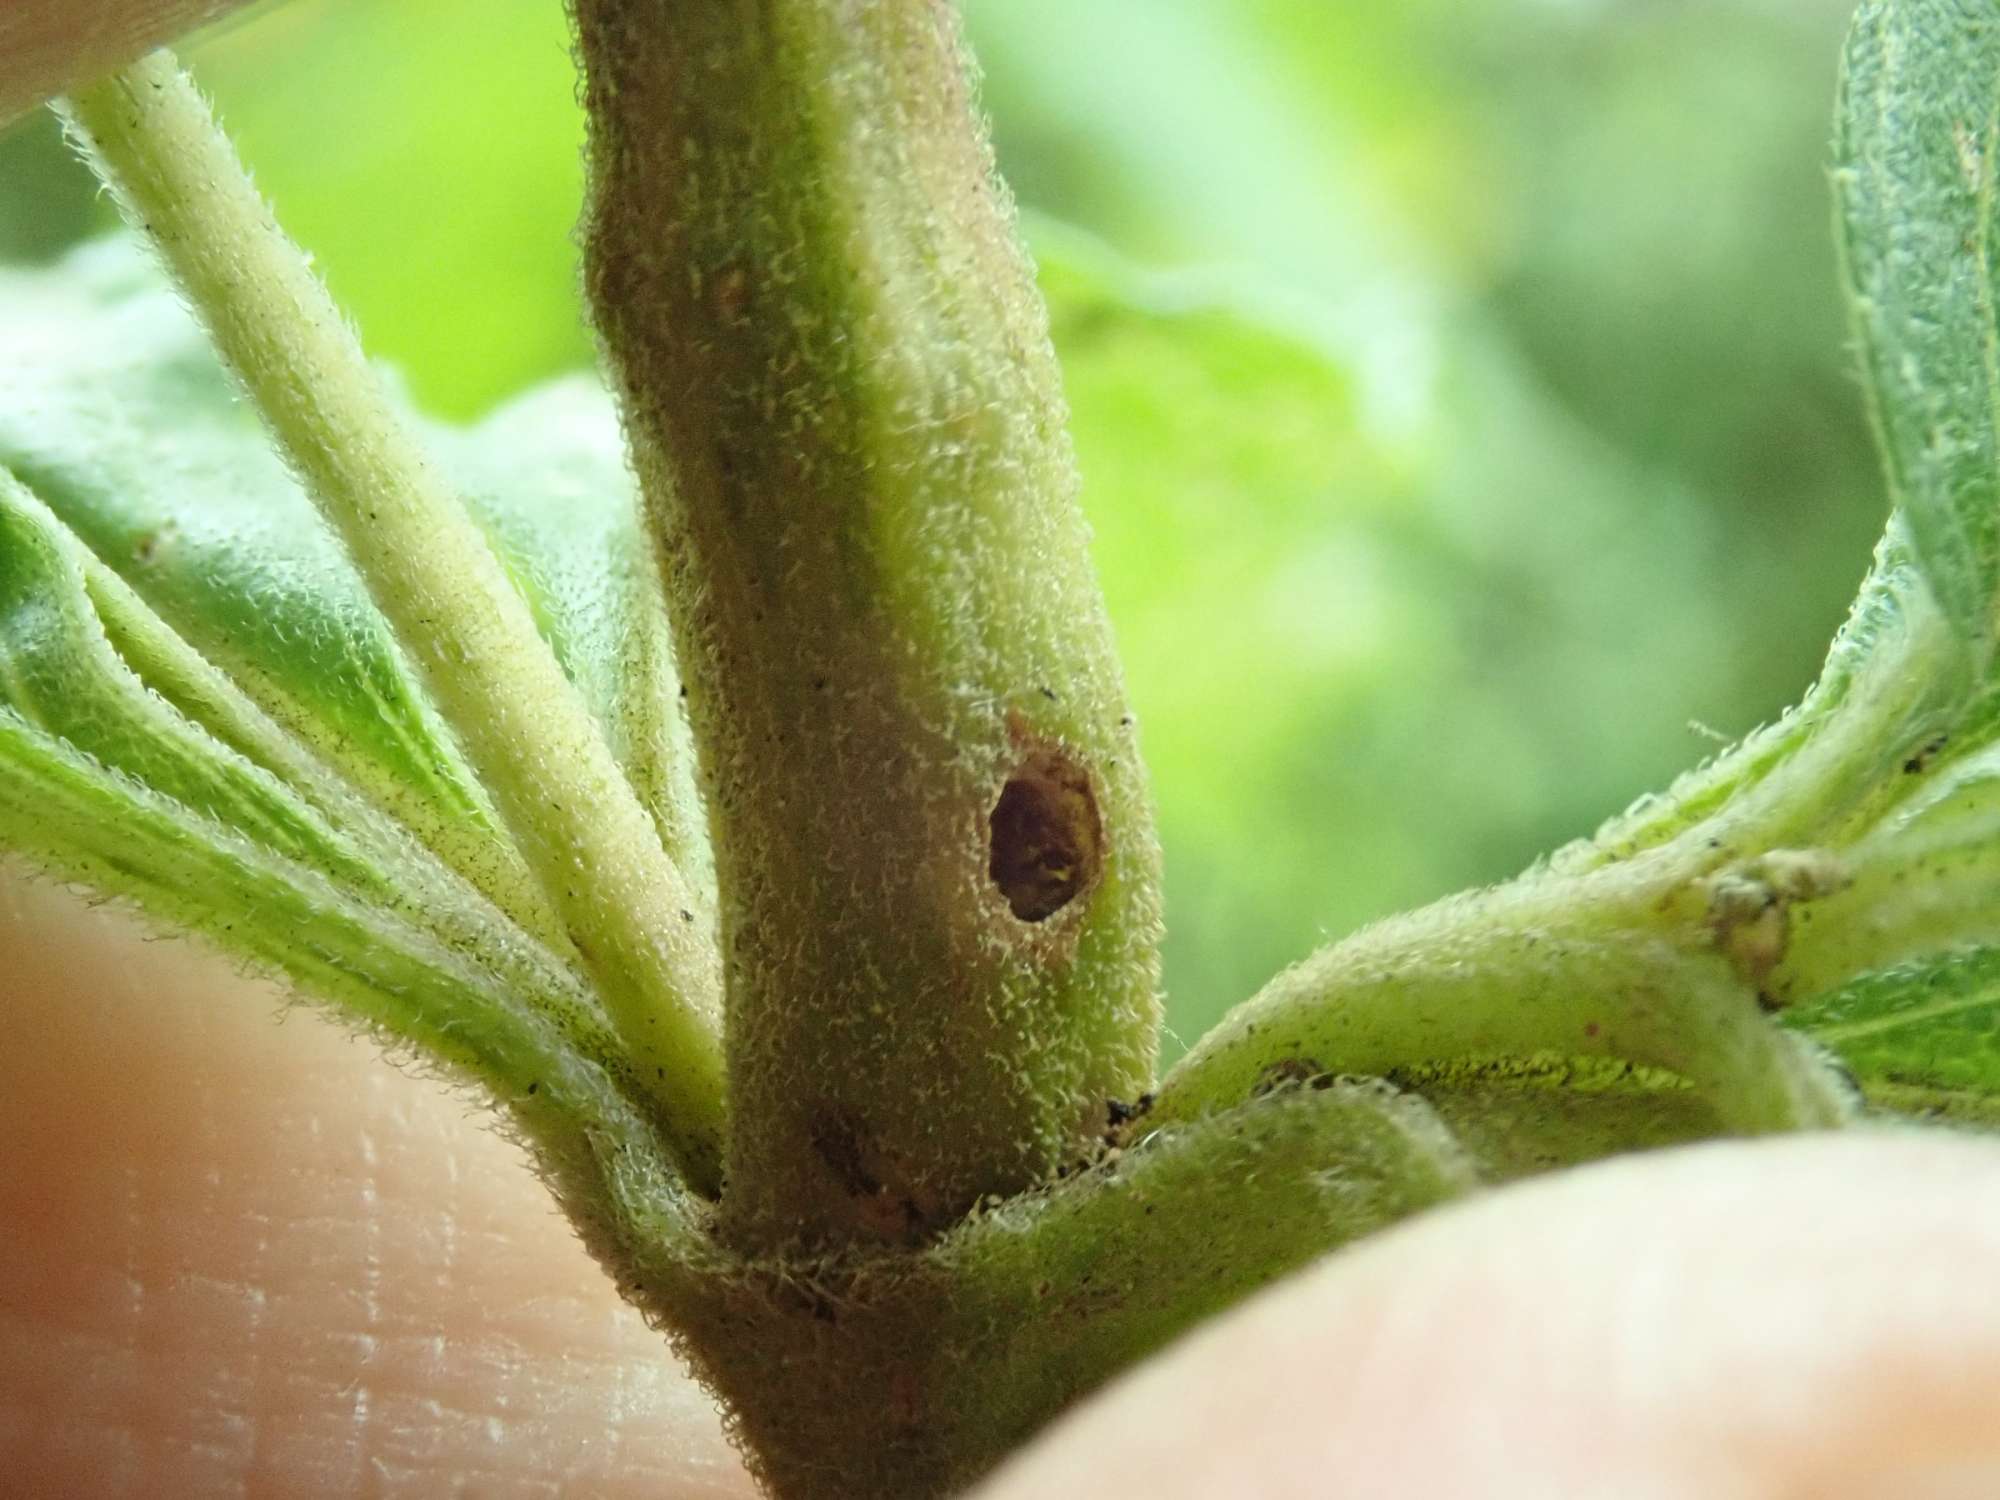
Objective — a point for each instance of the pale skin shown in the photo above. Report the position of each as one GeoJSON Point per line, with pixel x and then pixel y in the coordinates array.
{"type": "Point", "coordinates": [240, 1255]}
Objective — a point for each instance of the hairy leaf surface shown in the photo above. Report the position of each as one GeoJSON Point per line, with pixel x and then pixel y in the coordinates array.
{"type": "Point", "coordinates": [1917, 132]}
{"type": "Point", "coordinates": [116, 415]}
{"type": "Point", "coordinates": [1924, 1038]}
{"type": "Point", "coordinates": [201, 711]}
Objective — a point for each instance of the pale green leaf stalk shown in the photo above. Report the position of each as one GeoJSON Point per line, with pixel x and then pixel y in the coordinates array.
{"type": "Point", "coordinates": [592, 848]}
{"type": "Point", "coordinates": [547, 478]}
{"type": "Point", "coordinates": [938, 878]}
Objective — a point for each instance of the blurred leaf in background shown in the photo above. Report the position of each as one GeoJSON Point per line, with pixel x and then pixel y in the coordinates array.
{"type": "Point", "coordinates": [1460, 387]}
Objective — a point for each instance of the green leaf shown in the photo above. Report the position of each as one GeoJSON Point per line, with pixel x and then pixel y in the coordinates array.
{"type": "Point", "coordinates": [1922, 1037]}
{"type": "Point", "coordinates": [1891, 761]}
{"type": "Point", "coordinates": [1917, 145]}
{"type": "Point", "coordinates": [201, 711]}
{"type": "Point", "coordinates": [62, 678]}
{"type": "Point", "coordinates": [1907, 686]}
{"type": "Point", "coordinates": [220, 825]}
{"type": "Point", "coordinates": [116, 414]}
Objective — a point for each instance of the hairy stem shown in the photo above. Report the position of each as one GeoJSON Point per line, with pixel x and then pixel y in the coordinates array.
{"type": "Point", "coordinates": [1621, 966]}
{"type": "Point", "coordinates": [899, 1375]}
{"type": "Point", "coordinates": [935, 860]}
{"type": "Point", "coordinates": [542, 758]}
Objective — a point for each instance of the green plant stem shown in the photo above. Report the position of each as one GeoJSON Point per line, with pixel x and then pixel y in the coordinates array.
{"type": "Point", "coordinates": [430, 571]}
{"type": "Point", "coordinates": [936, 868]}
{"type": "Point", "coordinates": [906, 1375]}
{"type": "Point", "coordinates": [1569, 967]}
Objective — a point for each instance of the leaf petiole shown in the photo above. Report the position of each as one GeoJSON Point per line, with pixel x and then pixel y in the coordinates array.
{"type": "Point", "coordinates": [553, 779]}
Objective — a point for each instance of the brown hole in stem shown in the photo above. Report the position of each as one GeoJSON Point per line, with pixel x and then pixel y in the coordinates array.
{"type": "Point", "coordinates": [1047, 838]}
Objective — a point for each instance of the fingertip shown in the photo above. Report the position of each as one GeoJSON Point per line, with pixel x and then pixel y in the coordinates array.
{"type": "Point", "coordinates": [47, 46]}
{"type": "Point", "coordinates": [1805, 1317]}
{"type": "Point", "coordinates": [238, 1256]}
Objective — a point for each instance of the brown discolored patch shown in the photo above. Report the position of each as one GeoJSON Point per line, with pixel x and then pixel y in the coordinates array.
{"type": "Point", "coordinates": [731, 293]}
{"type": "Point", "coordinates": [906, 1399]}
{"type": "Point", "coordinates": [1291, 1072]}
{"type": "Point", "coordinates": [1925, 753]}
{"type": "Point", "coordinates": [847, 1148]}
{"type": "Point", "coordinates": [838, 1142]}
{"type": "Point", "coordinates": [148, 546]}
{"type": "Point", "coordinates": [1751, 910]}
{"type": "Point", "coordinates": [1047, 840]}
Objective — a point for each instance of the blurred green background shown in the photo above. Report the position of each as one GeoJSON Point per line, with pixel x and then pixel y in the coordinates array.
{"type": "Point", "coordinates": [1460, 384]}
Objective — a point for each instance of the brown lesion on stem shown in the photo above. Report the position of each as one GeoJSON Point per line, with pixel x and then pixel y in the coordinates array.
{"type": "Point", "coordinates": [1045, 835]}
{"type": "Point", "coordinates": [843, 1141]}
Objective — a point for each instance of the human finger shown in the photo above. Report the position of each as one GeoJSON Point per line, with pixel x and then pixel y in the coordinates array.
{"type": "Point", "coordinates": [1814, 1317]}
{"type": "Point", "coordinates": [47, 46]}
{"type": "Point", "coordinates": [244, 1257]}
